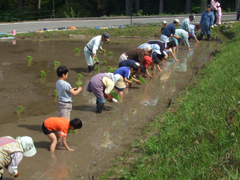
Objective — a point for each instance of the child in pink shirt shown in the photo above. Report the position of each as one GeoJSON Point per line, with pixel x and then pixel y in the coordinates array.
{"type": "Point", "coordinates": [219, 13]}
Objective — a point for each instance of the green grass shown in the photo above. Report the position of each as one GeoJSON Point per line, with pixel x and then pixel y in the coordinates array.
{"type": "Point", "coordinates": [20, 109]}
{"type": "Point", "coordinates": [198, 137]}
{"type": "Point", "coordinates": [115, 95]}
{"type": "Point", "coordinates": [104, 62]}
{"type": "Point", "coordinates": [43, 73]}
{"type": "Point", "coordinates": [78, 84]}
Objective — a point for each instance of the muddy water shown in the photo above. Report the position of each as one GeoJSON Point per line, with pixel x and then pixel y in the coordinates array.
{"type": "Point", "coordinates": [105, 136]}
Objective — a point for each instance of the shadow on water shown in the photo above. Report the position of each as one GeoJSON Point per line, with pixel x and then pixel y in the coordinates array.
{"type": "Point", "coordinates": [80, 69]}
{"type": "Point", "coordinates": [37, 128]}
{"type": "Point", "coordinates": [91, 108]}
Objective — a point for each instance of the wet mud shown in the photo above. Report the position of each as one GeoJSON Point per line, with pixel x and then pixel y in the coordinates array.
{"type": "Point", "coordinates": [104, 137]}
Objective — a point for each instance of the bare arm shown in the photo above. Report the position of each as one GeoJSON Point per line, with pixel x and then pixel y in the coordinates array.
{"type": "Point", "coordinates": [65, 144]}
{"type": "Point", "coordinates": [136, 80]}
{"type": "Point", "coordinates": [173, 55]}
{"type": "Point", "coordinates": [126, 80]}
{"type": "Point", "coordinates": [196, 37]}
{"type": "Point", "coordinates": [73, 92]}
{"type": "Point", "coordinates": [159, 68]}
{"type": "Point", "coordinates": [148, 74]}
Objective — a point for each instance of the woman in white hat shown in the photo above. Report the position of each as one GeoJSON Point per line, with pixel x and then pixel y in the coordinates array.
{"type": "Point", "coordinates": [12, 152]}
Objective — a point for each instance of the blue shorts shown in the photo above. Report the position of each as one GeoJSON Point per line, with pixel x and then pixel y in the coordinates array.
{"type": "Point", "coordinates": [45, 130]}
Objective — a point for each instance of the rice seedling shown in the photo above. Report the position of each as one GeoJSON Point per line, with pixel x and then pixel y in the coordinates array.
{"type": "Point", "coordinates": [43, 73]}
{"type": "Point", "coordinates": [77, 50]}
{"type": "Point", "coordinates": [115, 95]}
{"type": "Point", "coordinates": [114, 69]}
{"type": "Point", "coordinates": [80, 76]}
{"type": "Point", "coordinates": [56, 63]}
{"type": "Point", "coordinates": [96, 60]}
{"type": "Point", "coordinates": [97, 68]}
{"type": "Point", "coordinates": [110, 70]}
{"type": "Point", "coordinates": [29, 58]}
{"type": "Point", "coordinates": [78, 84]}
{"type": "Point", "coordinates": [55, 93]}
{"type": "Point", "coordinates": [20, 109]}
{"type": "Point", "coordinates": [110, 53]}
{"type": "Point", "coordinates": [104, 62]}
{"type": "Point", "coordinates": [72, 131]}
{"type": "Point", "coordinates": [103, 52]}
{"type": "Point", "coordinates": [142, 80]}
{"type": "Point", "coordinates": [130, 78]}
{"type": "Point", "coordinates": [168, 57]}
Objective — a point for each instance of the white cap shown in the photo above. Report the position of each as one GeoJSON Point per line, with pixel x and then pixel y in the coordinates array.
{"type": "Point", "coordinates": [27, 145]}
{"type": "Point", "coordinates": [176, 21]}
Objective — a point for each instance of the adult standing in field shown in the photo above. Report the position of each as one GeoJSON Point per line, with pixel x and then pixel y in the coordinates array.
{"type": "Point", "coordinates": [90, 50]}
{"type": "Point", "coordinates": [206, 22]}
{"type": "Point", "coordinates": [136, 54]}
{"type": "Point", "coordinates": [169, 31]}
{"type": "Point", "coordinates": [182, 35]}
{"type": "Point", "coordinates": [214, 10]}
{"type": "Point", "coordinates": [186, 22]}
{"type": "Point", "coordinates": [12, 152]}
{"type": "Point", "coordinates": [238, 12]}
{"type": "Point", "coordinates": [101, 85]}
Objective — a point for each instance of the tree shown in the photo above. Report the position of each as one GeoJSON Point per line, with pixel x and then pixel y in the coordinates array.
{"type": "Point", "coordinates": [20, 3]}
{"type": "Point", "coordinates": [137, 6]}
{"type": "Point", "coordinates": [188, 6]}
{"type": "Point", "coordinates": [203, 5]}
{"type": "Point", "coordinates": [160, 6]}
{"type": "Point", "coordinates": [128, 7]}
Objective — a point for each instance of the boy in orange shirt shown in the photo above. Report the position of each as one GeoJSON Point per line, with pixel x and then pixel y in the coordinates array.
{"type": "Point", "coordinates": [52, 125]}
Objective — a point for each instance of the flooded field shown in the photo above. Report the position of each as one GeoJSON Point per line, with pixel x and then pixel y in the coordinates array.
{"type": "Point", "coordinates": [104, 137]}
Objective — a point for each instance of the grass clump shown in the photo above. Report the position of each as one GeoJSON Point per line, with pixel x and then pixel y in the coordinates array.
{"type": "Point", "coordinates": [20, 109]}
{"type": "Point", "coordinates": [77, 50]}
{"type": "Point", "coordinates": [110, 53]}
{"type": "Point", "coordinates": [115, 95]}
{"type": "Point", "coordinates": [142, 80]}
{"type": "Point", "coordinates": [80, 76]}
{"type": "Point", "coordinates": [78, 84]}
{"type": "Point", "coordinates": [43, 73]}
{"type": "Point", "coordinates": [104, 62]}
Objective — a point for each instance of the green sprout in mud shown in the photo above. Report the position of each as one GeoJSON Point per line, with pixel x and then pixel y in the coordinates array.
{"type": "Point", "coordinates": [78, 84]}
{"type": "Point", "coordinates": [96, 59]}
{"type": "Point", "coordinates": [115, 95]}
{"type": "Point", "coordinates": [55, 93]}
{"type": "Point", "coordinates": [20, 109]}
{"type": "Point", "coordinates": [43, 73]}
{"type": "Point", "coordinates": [142, 80]}
{"type": "Point", "coordinates": [29, 58]}
{"type": "Point", "coordinates": [97, 68]}
{"type": "Point", "coordinates": [77, 50]}
{"type": "Point", "coordinates": [110, 53]}
{"type": "Point", "coordinates": [80, 76]}
{"type": "Point", "coordinates": [56, 63]}
{"type": "Point", "coordinates": [104, 62]}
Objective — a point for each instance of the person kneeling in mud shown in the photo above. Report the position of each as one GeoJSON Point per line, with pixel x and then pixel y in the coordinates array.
{"type": "Point", "coordinates": [129, 63]}
{"type": "Point", "coordinates": [12, 152]}
{"type": "Point", "coordinates": [52, 125]}
{"type": "Point", "coordinates": [101, 85]}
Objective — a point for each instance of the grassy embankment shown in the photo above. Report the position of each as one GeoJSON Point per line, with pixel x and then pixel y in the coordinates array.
{"type": "Point", "coordinates": [199, 136]}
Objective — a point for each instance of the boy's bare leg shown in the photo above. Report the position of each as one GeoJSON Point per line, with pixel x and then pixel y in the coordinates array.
{"type": "Point", "coordinates": [54, 139]}
{"type": "Point", "coordinates": [120, 93]}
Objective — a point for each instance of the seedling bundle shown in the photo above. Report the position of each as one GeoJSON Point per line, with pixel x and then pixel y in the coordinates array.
{"type": "Point", "coordinates": [77, 50]}
{"type": "Point", "coordinates": [142, 80]}
{"type": "Point", "coordinates": [104, 62]}
{"type": "Point", "coordinates": [97, 68]}
{"type": "Point", "coordinates": [103, 52]}
{"type": "Point", "coordinates": [72, 131]}
{"type": "Point", "coordinates": [80, 76]}
{"type": "Point", "coordinates": [110, 53]}
{"type": "Point", "coordinates": [96, 59]}
{"type": "Point", "coordinates": [115, 95]}
{"type": "Point", "coordinates": [130, 78]}
{"type": "Point", "coordinates": [56, 63]}
{"type": "Point", "coordinates": [29, 58]}
{"type": "Point", "coordinates": [55, 92]}
{"type": "Point", "coordinates": [78, 84]}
